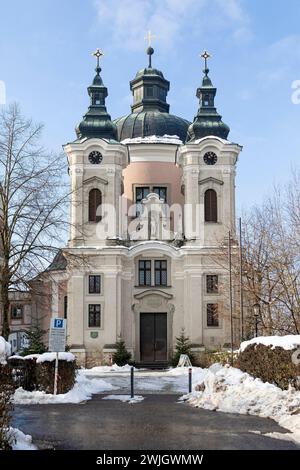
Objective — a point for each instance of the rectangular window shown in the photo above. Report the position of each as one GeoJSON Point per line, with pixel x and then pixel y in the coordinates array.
{"type": "Point", "coordinates": [161, 191]}
{"type": "Point", "coordinates": [161, 277]}
{"type": "Point", "coordinates": [144, 273]}
{"type": "Point", "coordinates": [94, 316]}
{"type": "Point", "coordinates": [16, 312]}
{"type": "Point", "coordinates": [212, 286]}
{"type": "Point", "coordinates": [94, 284]}
{"type": "Point", "coordinates": [65, 306]}
{"type": "Point", "coordinates": [212, 315]}
{"type": "Point", "coordinates": [149, 91]}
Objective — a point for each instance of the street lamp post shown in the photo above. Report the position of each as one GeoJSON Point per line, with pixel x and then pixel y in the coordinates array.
{"type": "Point", "coordinates": [256, 313]}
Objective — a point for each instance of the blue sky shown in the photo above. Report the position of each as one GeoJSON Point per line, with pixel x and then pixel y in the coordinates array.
{"type": "Point", "coordinates": [46, 64]}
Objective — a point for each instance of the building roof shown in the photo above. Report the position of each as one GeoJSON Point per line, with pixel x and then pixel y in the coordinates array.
{"type": "Point", "coordinates": [59, 263]}
{"type": "Point", "coordinates": [149, 123]}
{"type": "Point", "coordinates": [150, 111]}
{"type": "Point", "coordinates": [208, 121]}
{"type": "Point", "coordinates": [97, 122]}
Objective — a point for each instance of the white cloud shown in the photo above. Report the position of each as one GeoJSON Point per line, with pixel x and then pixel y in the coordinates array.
{"type": "Point", "coordinates": [280, 60]}
{"type": "Point", "coordinates": [128, 20]}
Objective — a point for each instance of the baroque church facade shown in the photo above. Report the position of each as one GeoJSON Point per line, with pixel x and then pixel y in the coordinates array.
{"type": "Point", "coordinates": [153, 199]}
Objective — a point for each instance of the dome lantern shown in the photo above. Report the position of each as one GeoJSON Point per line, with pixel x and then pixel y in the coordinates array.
{"type": "Point", "coordinates": [207, 121]}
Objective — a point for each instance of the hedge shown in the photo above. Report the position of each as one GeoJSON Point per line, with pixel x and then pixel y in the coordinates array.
{"type": "Point", "coordinates": [45, 376]}
{"type": "Point", "coordinates": [23, 372]}
{"type": "Point", "coordinates": [270, 365]}
{"type": "Point", "coordinates": [6, 390]}
{"type": "Point", "coordinates": [30, 375]}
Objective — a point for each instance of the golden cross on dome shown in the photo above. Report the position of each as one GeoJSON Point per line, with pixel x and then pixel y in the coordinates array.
{"type": "Point", "coordinates": [149, 38]}
{"type": "Point", "coordinates": [205, 55]}
{"type": "Point", "coordinates": [98, 53]}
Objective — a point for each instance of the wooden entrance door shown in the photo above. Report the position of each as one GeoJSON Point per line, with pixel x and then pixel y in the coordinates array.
{"type": "Point", "coordinates": [153, 337]}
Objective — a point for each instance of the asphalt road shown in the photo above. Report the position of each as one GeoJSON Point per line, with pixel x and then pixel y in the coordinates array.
{"type": "Point", "coordinates": [159, 422]}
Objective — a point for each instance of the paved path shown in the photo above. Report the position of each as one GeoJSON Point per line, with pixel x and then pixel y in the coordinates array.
{"type": "Point", "coordinates": [159, 422]}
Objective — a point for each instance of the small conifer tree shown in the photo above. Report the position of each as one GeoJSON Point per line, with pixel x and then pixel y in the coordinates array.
{"type": "Point", "coordinates": [121, 357]}
{"type": "Point", "coordinates": [182, 346]}
{"type": "Point", "coordinates": [36, 344]}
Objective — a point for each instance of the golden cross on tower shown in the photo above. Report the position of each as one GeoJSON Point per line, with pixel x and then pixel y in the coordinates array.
{"type": "Point", "coordinates": [205, 55]}
{"type": "Point", "coordinates": [98, 53]}
{"type": "Point", "coordinates": [149, 38]}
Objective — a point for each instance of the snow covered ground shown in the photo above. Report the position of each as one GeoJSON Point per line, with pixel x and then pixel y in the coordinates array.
{"type": "Point", "coordinates": [114, 378]}
{"type": "Point", "coordinates": [232, 391]}
{"type": "Point", "coordinates": [171, 381]}
{"type": "Point", "coordinates": [221, 388]}
{"type": "Point", "coordinates": [83, 390]}
{"type": "Point", "coordinates": [125, 398]}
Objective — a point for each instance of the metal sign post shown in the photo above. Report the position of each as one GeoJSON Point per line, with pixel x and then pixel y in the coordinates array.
{"type": "Point", "coordinates": [56, 374]}
{"type": "Point", "coordinates": [132, 381]}
{"type": "Point", "coordinates": [57, 342]}
{"type": "Point", "coordinates": [190, 379]}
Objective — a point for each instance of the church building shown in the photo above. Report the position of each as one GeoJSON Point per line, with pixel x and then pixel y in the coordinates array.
{"type": "Point", "coordinates": [153, 201]}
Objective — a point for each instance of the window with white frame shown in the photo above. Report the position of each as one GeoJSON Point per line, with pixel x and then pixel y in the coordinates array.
{"type": "Point", "coordinates": [152, 272]}
{"type": "Point", "coordinates": [212, 284]}
{"type": "Point", "coordinates": [17, 312]}
{"type": "Point", "coordinates": [212, 312]}
{"type": "Point", "coordinates": [94, 319]}
{"type": "Point", "coordinates": [95, 284]}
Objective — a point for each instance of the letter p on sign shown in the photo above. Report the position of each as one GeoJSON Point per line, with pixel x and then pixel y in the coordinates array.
{"type": "Point", "coordinates": [58, 323]}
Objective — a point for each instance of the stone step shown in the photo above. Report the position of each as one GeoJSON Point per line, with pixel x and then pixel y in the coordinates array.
{"type": "Point", "coordinates": [152, 365]}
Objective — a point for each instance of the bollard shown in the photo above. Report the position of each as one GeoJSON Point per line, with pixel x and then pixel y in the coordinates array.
{"type": "Point", "coordinates": [190, 379]}
{"type": "Point", "coordinates": [132, 381]}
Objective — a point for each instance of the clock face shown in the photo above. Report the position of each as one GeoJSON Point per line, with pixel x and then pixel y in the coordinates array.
{"type": "Point", "coordinates": [210, 158]}
{"type": "Point", "coordinates": [95, 157]}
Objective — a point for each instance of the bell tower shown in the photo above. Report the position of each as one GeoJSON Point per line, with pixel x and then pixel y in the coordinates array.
{"type": "Point", "coordinates": [96, 160]}
{"type": "Point", "coordinates": [208, 161]}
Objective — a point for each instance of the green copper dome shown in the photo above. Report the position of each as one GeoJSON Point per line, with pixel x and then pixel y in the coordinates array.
{"type": "Point", "coordinates": [151, 122]}
{"type": "Point", "coordinates": [150, 110]}
{"type": "Point", "coordinates": [207, 121]}
{"type": "Point", "coordinates": [97, 122]}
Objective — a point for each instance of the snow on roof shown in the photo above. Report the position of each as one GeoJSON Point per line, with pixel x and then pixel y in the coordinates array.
{"type": "Point", "coordinates": [214, 137]}
{"type": "Point", "coordinates": [286, 342]}
{"type": "Point", "coordinates": [51, 356]}
{"type": "Point", "coordinates": [154, 139]}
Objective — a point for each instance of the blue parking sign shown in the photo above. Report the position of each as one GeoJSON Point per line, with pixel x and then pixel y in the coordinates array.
{"type": "Point", "coordinates": [58, 323]}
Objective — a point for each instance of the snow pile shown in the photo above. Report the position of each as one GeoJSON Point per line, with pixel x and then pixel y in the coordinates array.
{"type": "Point", "coordinates": [154, 139]}
{"type": "Point", "coordinates": [51, 356]}
{"type": "Point", "coordinates": [99, 370]}
{"type": "Point", "coordinates": [125, 398]}
{"type": "Point", "coordinates": [287, 342]}
{"type": "Point", "coordinates": [82, 391]}
{"type": "Point", "coordinates": [232, 391]}
{"type": "Point", "coordinates": [21, 441]}
{"type": "Point", "coordinates": [5, 350]}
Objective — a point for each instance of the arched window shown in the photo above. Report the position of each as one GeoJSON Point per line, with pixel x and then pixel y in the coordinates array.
{"type": "Point", "coordinates": [210, 206]}
{"type": "Point", "coordinates": [95, 200]}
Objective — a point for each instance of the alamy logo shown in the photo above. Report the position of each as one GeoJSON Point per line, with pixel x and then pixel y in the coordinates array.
{"type": "Point", "coordinates": [296, 94]}
{"type": "Point", "coordinates": [296, 357]}
{"type": "Point", "coordinates": [2, 92]}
